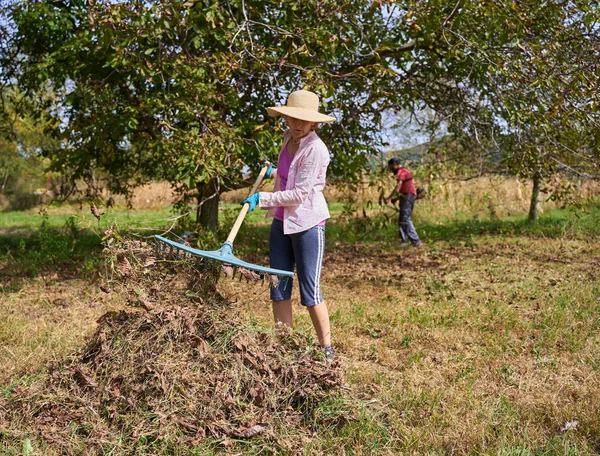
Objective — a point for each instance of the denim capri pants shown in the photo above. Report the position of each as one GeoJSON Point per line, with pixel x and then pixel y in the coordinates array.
{"type": "Point", "coordinates": [304, 251]}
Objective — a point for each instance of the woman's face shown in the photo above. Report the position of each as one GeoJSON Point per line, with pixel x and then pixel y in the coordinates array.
{"type": "Point", "coordinates": [299, 128]}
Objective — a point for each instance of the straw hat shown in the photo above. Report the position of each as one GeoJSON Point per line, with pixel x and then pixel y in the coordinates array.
{"type": "Point", "coordinates": [303, 105]}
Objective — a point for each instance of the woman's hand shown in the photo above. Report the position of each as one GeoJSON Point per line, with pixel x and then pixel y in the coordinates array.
{"type": "Point", "coordinates": [252, 200]}
{"type": "Point", "coordinates": [269, 171]}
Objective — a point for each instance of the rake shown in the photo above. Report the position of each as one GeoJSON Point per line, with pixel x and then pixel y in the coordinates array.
{"type": "Point", "coordinates": [166, 248]}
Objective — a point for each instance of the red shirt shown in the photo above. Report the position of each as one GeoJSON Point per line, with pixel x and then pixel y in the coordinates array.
{"type": "Point", "coordinates": [408, 184]}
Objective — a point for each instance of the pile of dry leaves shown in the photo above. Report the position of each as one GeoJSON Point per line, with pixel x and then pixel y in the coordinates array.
{"type": "Point", "coordinates": [178, 367]}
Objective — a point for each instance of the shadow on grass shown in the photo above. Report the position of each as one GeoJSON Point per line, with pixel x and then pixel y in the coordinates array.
{"type": "Point", "coordinates": [554, 224]}
{"type": "Point", "coordinates": [466, 230]}
{"type": "Point", "coordinates": [574, 223]}
{"type": "Point", "coordinates": [46, 252]}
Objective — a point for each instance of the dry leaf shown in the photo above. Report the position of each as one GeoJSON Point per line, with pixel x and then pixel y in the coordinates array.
{"type": "Point", "coordinates": [145, 304]}
{"type": "Point", "coordinates": [249, 275]}
{"type": "Point", "coordinates": [186, 425]}
{"type": "Point", "coordinates": [124, 266]}
{"type": "Point", "coordinates": [202, 346]}
{"type": "Point", "coordinates": [226, 443]}
{"type": "Point", "coordinates": [252, 431]}
{"type": "Point", "coordinates": [105, 289]}
{"type": "Point", "coordinates": [83, 377]}
{"type": "Point", "coordinates": [95, 212]}
{"type": "Point", "coordinates": [228, 270]}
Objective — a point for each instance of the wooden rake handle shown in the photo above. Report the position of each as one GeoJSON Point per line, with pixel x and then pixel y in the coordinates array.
{"type": "Point", "coordinates": [238, 222]}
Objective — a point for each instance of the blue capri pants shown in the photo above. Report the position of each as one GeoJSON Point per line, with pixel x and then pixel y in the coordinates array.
{"type": "Point", "coordinates": [304, 251]}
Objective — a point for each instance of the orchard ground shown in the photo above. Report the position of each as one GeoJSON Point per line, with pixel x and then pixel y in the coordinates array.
{"type": "Point", "coordinates": [484, 341]}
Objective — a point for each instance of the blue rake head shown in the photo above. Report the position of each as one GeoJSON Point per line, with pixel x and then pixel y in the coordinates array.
{"type": "Point", "coordinates": [166, 248]}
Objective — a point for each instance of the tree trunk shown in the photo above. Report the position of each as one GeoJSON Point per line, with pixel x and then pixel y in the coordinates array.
{"type": "Point", "coordinates": [4, 182]}
{"type": "Point", "coordinates": [534, 205]}
{"type": "Point", "coordinates": [207, 215]}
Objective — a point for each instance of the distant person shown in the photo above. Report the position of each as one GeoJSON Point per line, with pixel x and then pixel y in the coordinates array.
{"type": "Point", "coordinates": [297, 236]}
{"type": "Point", "coordinates": [405, 188]}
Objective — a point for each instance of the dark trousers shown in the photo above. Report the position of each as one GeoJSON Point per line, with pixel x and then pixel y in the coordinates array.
{"type": "Point", "coordinates": [405, 225]}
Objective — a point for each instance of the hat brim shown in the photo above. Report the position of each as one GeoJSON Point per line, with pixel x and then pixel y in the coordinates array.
{"type": "Point", "coordinates": [299, 113]}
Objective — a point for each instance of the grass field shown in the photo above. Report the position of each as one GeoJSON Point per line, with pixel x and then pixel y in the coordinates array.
{"type": "Point", "coordinates": [484, 341]}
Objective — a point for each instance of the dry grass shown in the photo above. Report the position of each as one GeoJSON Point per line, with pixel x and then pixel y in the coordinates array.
{"type": "Point", "coordinates": [155, 194]}
{"type": "Point", "coordinates": [488, 197]}
{"type": "Point", "coordinates": [484, 345]}
{"type": "Point", "coordinates": [484, 198]}
{"type": "Point", "coordinates": [46, 318]}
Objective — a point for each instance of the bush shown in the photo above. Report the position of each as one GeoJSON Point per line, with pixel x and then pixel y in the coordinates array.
{"type": "Point", "coordinates": [21, 201]}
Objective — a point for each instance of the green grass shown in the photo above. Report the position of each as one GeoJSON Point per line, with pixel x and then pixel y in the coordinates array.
{"type": "Point", "coordinates": [128, 219]}
{"type": "Point", "coordinates": [379, 226]}
{"type": "Point", "coordinates": [31, 243]}
{"type": "Point", "coordinates": [553, 224]}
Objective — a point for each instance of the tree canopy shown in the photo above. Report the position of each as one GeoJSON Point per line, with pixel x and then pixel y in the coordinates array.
{"type": "Point", "coordinates": [178, 90]}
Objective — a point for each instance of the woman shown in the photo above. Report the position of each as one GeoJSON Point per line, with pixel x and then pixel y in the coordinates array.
{"type": "Point", "coordinates": [297, 236]}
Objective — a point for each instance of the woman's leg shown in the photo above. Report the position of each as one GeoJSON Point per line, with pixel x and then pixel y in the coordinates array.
{"type": "Point", "coordinates": [281, 256]}
{"type": "Point", "coordinates": [320, 319]}
{"type": "Point", "coordinates": [308, 251]}
{"type": "Point", "coordinates": [282, 312]}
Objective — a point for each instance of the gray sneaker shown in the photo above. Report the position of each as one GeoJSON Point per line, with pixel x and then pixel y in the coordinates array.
{"type": "Point", "coordinates": [329, 354]}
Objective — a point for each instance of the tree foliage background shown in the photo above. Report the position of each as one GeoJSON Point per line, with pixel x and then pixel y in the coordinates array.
{"type": "Point", "coordinates": [178, 90]}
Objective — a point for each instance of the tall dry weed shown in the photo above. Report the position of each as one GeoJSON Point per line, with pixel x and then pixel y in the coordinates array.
{"type": "Point", "coordinates": [486, 197]}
